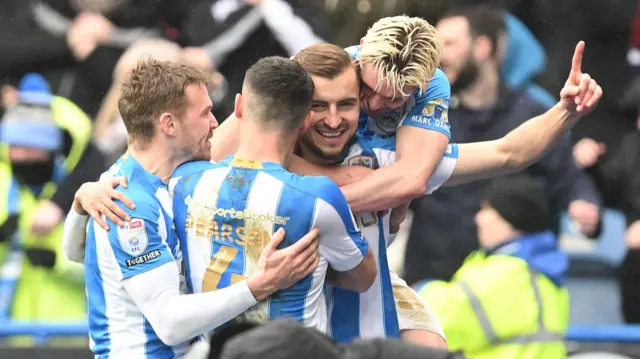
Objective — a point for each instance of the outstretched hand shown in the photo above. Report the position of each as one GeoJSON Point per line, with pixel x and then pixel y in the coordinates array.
{"type": "Point", "coordinates": [580, 94]}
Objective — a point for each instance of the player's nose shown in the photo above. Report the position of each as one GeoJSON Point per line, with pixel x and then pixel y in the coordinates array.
{"type": "Point", "coordinates": [333, 119]}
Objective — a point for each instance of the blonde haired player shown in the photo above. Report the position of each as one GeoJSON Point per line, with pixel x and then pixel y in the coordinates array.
{"type": "Point", "coordinates": [403, 52]}
{"type": "Point", "coordinates": [403, 94]}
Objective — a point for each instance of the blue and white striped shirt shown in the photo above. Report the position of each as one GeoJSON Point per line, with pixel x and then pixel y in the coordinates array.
{"type": "Point", "coordinates": [117, 327]}
{"type": "Point", "coordinates": [374, 313]}
{"type": "Point", "coordinates": [225, 214]}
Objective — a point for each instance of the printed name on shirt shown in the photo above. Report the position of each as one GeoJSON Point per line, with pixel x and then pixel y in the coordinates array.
{"type": "Point", "coordinates": [133, 236]}
{"type": "Point", "coordinates": [143, 258]}
{"type": "Point", "coordinates": [249, 233]}
{"type": "Point", "coordinates": [431, 122]}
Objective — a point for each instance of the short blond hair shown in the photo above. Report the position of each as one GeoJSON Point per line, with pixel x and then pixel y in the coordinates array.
{"type": "Point", "coordinates": [405, 50]}
{"type": "Point", "coordinates": [154, 87]}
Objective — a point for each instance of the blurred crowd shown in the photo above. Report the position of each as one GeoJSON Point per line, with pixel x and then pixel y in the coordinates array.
{"type": "Point", "coordinates": [61, 63]}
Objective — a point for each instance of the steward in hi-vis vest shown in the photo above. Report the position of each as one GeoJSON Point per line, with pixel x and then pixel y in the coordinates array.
{"type": "Point", "coordinates": [43, 138]}
{"type": "Point", "coordinates": [508, 300]}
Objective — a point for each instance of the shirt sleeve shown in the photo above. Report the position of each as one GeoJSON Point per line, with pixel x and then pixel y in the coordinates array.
{"type": "Point", "coordinates": [444, 169]}
{"type": "Point", "coordinates": [431, 110]}
{"type": "Point", "coordinates": [74, 236]}
{"type": "Point", "coordinates": [341, 242]}
{"type": "Point", "coordinates": [175, 317]}
{"type": "Point", "coordinates": [140, 244]}
{"type": "Point", "coordinates": [441, 173]}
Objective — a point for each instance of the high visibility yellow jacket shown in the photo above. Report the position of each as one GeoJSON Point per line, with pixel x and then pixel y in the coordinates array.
{"type": "Point", "coordinates": [509, 302]}
{"type": "Point", "coordinates": [44, 294]}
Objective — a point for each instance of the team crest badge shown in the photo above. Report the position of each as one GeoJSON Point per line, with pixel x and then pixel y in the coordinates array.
{"type": "Point", "coordinates": [387, 123]}
{"type": "Point", "coordinates": [364, 161]}
{"type": "Point", "coordinates": [133, 237]}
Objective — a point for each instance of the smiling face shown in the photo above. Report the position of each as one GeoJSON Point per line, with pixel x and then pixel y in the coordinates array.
{"type": "Point", "coordinates": [334, 117]}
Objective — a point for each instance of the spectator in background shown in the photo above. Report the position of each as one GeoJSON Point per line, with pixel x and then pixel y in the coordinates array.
{"type": "Point", "coordinates": [230, 35]}
{"type": "Point", "coordinates": [482, 109]}
{"type": "Point", "coordinates": [633, 54]}
{"type": "Point", "coordinates": [524, 59]}
{"type": "Point", "coordinates": [350, 19]}
{"type": "Point", "coordinates": [110, 133]}
{"type": "Point", "coordinates": [47, 138]}
{"type": "Point", "coordinates": [508, 299]}
{"type": "Point", "coordinates": [76, 43]}
{"type": "Point", "coordinates": [88, 162]}
{"type": "Point", "coordinates": [618, 176]}
{"type": "Point", "coordinates": [604, 25]}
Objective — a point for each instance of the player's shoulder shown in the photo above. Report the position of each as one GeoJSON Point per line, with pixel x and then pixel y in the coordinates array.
{"type": "Point", "coordinates": [376, 141]}
{"type": "Point", "coordinates": [319, 187]}
{"type": "Point", "coordinates": [438, 88]}
{"type": "Point", "coordinates": [191, 167]}
{"type": "Point", "coordinates": [187, 175]}
{"type": "Point", "coordinates": [147, 203]}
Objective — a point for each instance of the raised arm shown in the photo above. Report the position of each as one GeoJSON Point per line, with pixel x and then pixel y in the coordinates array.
{"type": "Point", "coordinates": [529, 142]}
{"type": "Point", "coordinates": [514, 152]}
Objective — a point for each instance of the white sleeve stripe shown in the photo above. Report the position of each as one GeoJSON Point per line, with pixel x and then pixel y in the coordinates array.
{"type": "Point", "coordinates": [441, 174]}
{"type": "Point", "coordinates": [336, 244]}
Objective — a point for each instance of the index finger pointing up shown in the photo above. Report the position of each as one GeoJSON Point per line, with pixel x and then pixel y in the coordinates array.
{"type": "Point", "coordinates": [576, 63]}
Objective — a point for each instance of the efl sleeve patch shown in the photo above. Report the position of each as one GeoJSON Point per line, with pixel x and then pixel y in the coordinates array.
{"type": "Point", "coordinates": [133, 237]}
{"type": "Point", "coordinates": [140, 245]}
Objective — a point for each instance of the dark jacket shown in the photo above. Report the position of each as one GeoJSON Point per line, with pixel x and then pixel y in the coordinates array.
{"type": "Point", "coordinates": [604, 26]}
{"type": "Point", "coordinates": [443, 231]}
{"type": "Point", "coordinates": [618, 176]}
{"type": "Point", "coordinates": [34, 40]}
{"type": "Point", "coordinates": [236, 40]}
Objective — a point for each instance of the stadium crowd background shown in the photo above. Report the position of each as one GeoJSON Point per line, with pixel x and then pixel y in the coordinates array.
{"type": "Point", "coordinates": [80, 50]}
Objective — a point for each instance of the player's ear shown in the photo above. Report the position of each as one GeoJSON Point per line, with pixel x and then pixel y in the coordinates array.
{"type": "Point", "coordinates": [237, 111]}
{"type": "Point", "coordinates": [168, 124]}
{"type": "Point", "coordinates": [307, 121]}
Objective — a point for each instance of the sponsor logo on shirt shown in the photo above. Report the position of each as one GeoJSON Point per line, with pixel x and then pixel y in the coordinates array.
{"type": "Point", "coordinates": [363, 160]}
{"type": "Point", "coordinates": [143, 258]}
{"type": "Point", "coordinates": [133, 237]}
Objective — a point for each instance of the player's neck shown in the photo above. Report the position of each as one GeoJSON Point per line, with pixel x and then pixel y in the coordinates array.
{"type": "Point", "coordinates": [483, 93]}
{"type": "Point", "coordinates": [265, 147]}
{"type": "Point", "coordinates": [155, 158]}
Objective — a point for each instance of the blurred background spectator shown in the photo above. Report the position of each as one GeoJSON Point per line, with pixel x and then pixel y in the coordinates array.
{"type": "Point", "coordinates": [484, 108]}
{"type": "Point", "coordinates": [230, 35]}
{"type": "Point", "coordinates": [46, 136]}
{"type": "Point", "coordinates": [62, 63]}
{"type": "Point", "coordinates": [508, 299]}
